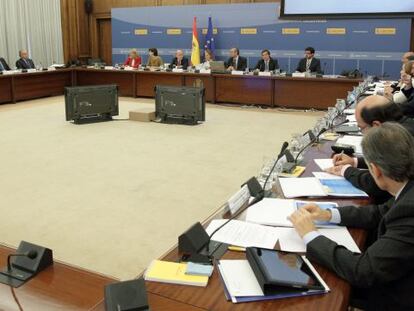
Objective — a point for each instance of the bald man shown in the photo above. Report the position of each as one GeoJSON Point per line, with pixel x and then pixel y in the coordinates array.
{"type": "Point", "coordinates": [371, 112]}
{"type": "Point", "coordinates": [24, 62]}
{"type": "Point", "coordinates": [180, 61]}
{"type": "Point", "coordinates": [236, 62]}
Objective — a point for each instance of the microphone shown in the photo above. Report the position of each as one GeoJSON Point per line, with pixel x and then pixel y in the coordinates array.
{"type": "Point", "coordinates": [258, 198]}
{"type": "Point", "coordinates": [282, 150]}
{"type": "Point", "coordinates": [317, 137]}
{"type": "Point", "coordinates": [30, 254]}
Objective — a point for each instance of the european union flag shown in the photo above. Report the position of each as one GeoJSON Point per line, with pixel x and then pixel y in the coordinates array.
{"type": "Point", "coordinates": [210, 44]}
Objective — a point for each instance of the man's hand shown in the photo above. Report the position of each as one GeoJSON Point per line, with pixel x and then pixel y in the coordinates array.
{"type": "Point", "coordinates": [343, 159]}
{"type": "Point", "coordinates": [302, 221]}
{"type": "Point", "coordinates": [317, 213]}
{"type": "Point", "coordinates": [335, 170]}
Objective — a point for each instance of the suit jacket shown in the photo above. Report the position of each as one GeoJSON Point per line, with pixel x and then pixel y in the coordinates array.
{"type": "Point", "coordinates": [134, 64]}
{"type": "Point", "coordinates": [241, 63]}
{"type": "Point", "coordinates": [315, 65]}
{"type": "Point", "coordinates": [362, 179]}
{"type": "Point", "coordinates": [184, 62]}
{"type": "Point", "coordinates": [386, 268]}
{"type": "Point", "coordinates": [21, 64]}
{"type": "Point", "coordinates": [273, 64]}
{"type": "Point", "coordinates": [4, 63]}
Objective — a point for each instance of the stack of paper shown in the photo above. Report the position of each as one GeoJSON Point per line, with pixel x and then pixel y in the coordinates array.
{"type": "Point", "coordinates": [275, 212]}
{"type": "Point", "coordinates": [241, 285]}
{"type": "Point", "coordinates": [243, 234]}
{"type": "Point", "coordinates": [313, 187]}
{"type": "Point", "coordinates": [174, 273]}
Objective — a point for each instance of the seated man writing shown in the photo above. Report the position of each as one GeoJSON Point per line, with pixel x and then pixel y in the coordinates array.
{"type": "Point", "coordinates": [385, 270]}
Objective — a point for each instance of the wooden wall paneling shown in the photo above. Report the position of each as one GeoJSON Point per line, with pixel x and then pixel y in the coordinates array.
{"type": "Point", "coordinates": [83, 31]}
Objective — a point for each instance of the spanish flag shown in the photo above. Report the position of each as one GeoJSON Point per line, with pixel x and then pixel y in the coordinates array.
{"type": "Point", "coordinates": [195, 52]}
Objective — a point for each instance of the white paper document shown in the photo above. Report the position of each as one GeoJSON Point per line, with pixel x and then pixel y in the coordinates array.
{"type": "Point", "coordinates": [239, 278]}
{"type": "Point", "coordinates": [301, 187]}
{"type": "Point", "coordinates": [272, 212]}
{"type": "Point", "coordinates": [275, 212]}
{"type": "Point", "coordinates": [323, 175]}
{"type": "Point", "coordinates": [290, 241]}
{"type": "Point", "coordinates": [244, 234]}
{"type": "Point", "coordinates": [324, 163]}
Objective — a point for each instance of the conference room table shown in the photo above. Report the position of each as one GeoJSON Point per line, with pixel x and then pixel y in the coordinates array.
{"type": "Point", "coordinates": [273, 91]}
{"type": "Point", "coordinates": [64, 287]}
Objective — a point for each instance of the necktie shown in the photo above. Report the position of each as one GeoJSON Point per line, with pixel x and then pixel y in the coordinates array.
{"type": "Point", "coordinates": [1, 66]}
{"type": "Point", "coordinates": [27, 63]}
{"type": "Point", "coordinates": [308, 62]}
{"type": "Point", "coordinates": [235, 63]}
{"type": "Point", "coordinates": [267, 65]}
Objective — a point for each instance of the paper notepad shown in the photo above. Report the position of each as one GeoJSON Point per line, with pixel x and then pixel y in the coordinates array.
{"type": "Point", "coordinates": [313, 187]}
{"type": "Point", "coordinates": [354, 141]}
{"type": "Point", "coordinates": [275, 212]}
{"type": "Point", "coordinates": [174, 273]}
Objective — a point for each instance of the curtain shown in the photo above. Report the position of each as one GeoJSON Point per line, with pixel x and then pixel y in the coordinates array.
{"type": "Point", "coordinates": [34, 25]}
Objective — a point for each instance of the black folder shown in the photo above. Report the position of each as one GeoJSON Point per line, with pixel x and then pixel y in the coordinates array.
{"type": "Point", "coordinates": [278, 271]}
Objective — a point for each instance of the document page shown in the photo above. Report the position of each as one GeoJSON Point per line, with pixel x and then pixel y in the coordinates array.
{"type": "Point", "coordinates": [244, 234]}
{"type": "Point", "coordinates": [301, 187]}
{"type": "Point", "coordinates": [290, 241]}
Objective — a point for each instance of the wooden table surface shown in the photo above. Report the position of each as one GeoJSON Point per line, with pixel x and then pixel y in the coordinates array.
{"type": "Point", "coordinates": [290, 92]}
{"type": "Point", "coordinates": [212, 297]}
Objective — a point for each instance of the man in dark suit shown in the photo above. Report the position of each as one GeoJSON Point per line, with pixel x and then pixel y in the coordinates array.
{"type": "Point", "coordinates": [236, 62]}
{"type": "Point", "coordinates": [3, 65]}
{"type": "Point", "coordinates": [384, 273]}
{"type": "Point", "coordinates": [180, 61]}
{"type": "Point", "coordinates": [24, 62]}
{"type": "Point", "coordinates": [267, 63]}
{"type": "Point", "coordinates": [370, 112]}
{"type": "Point", "coordinates": [309, 63]}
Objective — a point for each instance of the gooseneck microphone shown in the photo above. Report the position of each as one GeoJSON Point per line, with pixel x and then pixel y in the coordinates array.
{"type": "Point", "coordinates": [258, 198]}
{"type": "Point", "coordinates": [31, 255]}
{"type": "Point", "coordinates": [282, 150]}
{"type": "Point", "coordinates": [317, 137]}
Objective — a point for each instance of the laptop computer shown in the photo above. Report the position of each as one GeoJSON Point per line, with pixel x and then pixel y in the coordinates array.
{"type": "Point", "coordinates": [217, 67]}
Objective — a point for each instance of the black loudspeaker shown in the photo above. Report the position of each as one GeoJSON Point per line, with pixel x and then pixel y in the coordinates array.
{"type": "Point", "coordinates": [88, 6]}
{"type": "Point", "coordinates": [193, 240]}
{"type": "Point", "coordinates": [24, 268]}
{"type": "Point", "coordinates": [126, 296]}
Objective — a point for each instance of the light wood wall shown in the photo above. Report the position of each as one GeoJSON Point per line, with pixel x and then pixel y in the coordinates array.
{"type": "Point", "coordinates": [87, 36]}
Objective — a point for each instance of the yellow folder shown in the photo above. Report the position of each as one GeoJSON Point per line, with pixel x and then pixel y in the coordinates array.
{"type": "Point", "coordinates": [173, 272]}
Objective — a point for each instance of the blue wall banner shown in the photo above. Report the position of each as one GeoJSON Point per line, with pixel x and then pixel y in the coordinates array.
{"type": "Point", "coordinates": [374, 46]}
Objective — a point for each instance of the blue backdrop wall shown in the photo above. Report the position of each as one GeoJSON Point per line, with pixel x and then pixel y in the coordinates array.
{"type": "Point", "coordinates": [373, 46]}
